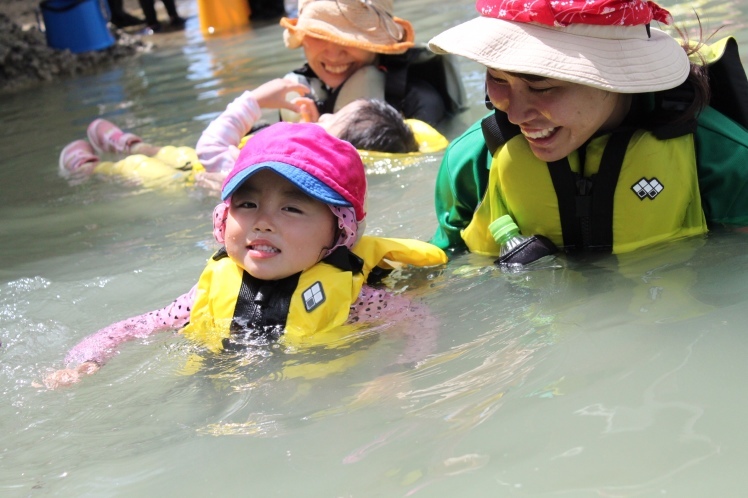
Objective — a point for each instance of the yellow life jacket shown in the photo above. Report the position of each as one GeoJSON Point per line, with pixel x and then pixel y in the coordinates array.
{"type": "Point", "coordinates": [320, 299]}
{"type": "Point", "coordinates": [179, 165]}
{"type": "Point", "coordinates": [171, 165]}
{"type": "Point", "coordinates": [429, 141]}
{"type": "Point", "coordinates": [654, 198]}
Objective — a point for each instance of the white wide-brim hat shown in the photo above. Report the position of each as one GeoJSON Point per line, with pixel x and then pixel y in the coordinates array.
{"type": "Point", "coordinates": [622, 59]}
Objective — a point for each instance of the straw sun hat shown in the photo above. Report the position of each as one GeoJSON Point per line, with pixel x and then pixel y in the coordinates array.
{"type": "Point", "coordinates": [364, 24]}
{"type": "Point", "coordinates": [605, 44]}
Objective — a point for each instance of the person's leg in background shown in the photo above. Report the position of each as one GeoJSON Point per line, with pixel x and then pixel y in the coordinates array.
{"type": "Point", "coordinates": [119, 17]}
{"type": "Point", "coordinates": [171, 9]}
{"type": "Point", "coordinates": [149, 11]}
{"type": "Point", "coordinates": [266, 10]}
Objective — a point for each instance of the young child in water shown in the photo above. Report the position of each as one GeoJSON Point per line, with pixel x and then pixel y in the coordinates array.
{"type": "Point", "coordinates": [367, 124]}
{"type": "Point", "coordinates": [294, 263]}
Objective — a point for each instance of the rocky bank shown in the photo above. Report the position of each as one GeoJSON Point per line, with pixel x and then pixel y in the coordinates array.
{"type": "Point", "coordinates": [26, 60]}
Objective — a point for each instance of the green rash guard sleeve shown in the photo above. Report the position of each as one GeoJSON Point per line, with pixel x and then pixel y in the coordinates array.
{"type": "Point", "coordinates": [722, 158]}
{"type": "Point", "coordinates": [460, 185]}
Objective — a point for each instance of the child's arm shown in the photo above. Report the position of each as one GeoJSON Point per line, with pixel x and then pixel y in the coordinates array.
{"type": "Point", "coordinates": [95, 350]}
{"type": "Point", "coordinates": [420, 333]}
{"type": "Point", "coordinates": [227, 130]}
{"type": "Point", "coordinates": [215, 148]}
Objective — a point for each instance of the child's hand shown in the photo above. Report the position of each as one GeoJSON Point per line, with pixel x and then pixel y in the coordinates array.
{"type": "Point", "coordinates": [210, 181]}
{"type": "Point", "coordinates": [387, 386]}
{"type": "Point", "coordinates": [69, 376]}
{"type": "Point", "coordinates": [273, 94]}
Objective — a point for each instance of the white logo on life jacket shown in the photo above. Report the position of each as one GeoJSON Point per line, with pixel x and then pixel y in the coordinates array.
{"type": "Point", "coordinates": [313, 296]}
{"type": "Point", "coordinates": [647, 188]}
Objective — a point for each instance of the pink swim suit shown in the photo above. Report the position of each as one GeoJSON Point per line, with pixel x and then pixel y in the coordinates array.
{"type": "Point", "coordinates": [372, 306]}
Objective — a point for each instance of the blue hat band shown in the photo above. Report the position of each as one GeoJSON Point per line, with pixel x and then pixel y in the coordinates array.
{"type": "Point", "coordinates": [305, 182]}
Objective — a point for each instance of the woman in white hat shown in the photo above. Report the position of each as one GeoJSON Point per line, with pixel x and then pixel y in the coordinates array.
{"type": "Point", "coordinates": [602, 138]}
{"type": "Point", "coordinates": [359, 49]}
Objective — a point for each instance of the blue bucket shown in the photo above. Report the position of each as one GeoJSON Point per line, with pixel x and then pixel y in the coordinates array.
{"type": "Point", "coordinates": [77, 25]}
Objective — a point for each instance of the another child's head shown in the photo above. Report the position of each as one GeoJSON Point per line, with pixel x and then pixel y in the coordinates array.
{"type": "Point", "coordinates": [372, 125]}
{"type": "Point", "coordinates": [367, 124]}
{"type": "Point", "coordinates": [295, 194]}
{"type": "Point", "coordinates": [341, 36]}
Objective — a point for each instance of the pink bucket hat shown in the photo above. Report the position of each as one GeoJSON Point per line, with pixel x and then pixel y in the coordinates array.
{"type": "Point", "coordinates": [606, 44]}
{"type": "Point", "coordinates": [320, 165]}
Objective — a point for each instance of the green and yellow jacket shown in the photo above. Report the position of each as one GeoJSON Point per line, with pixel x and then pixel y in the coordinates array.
{"type": "Point", "coordinates": [680, 170]}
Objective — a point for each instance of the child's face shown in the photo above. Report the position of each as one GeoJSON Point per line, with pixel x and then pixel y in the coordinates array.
{"type": "Point", "coordinates": [334, 63]}
{"type": "Point", "coordinates": [274, 230]}
{"type": "Point", "coordinates": [556, 117]}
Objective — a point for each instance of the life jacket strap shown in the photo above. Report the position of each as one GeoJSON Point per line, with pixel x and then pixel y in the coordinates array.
{"type": "Point", "coordinates": [344, 259]}
{"type": "Point", "coordinates": [585, 204]}
{"type": "Point", "coordinates": [497, 130]}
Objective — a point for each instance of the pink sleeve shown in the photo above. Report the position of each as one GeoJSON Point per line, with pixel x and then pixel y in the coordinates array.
{"type": "Point", "coordinates": [379, 305]}
{"type": "Point", "coordinates": [213, 148]}
{"type": "Point", "coordinates": [102, 345]}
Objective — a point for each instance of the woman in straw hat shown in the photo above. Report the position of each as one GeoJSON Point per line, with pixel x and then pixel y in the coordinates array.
{"type": "Point", "coordinates": [601, 139]}
{"type": "Point", "coordinates": [358, 49]}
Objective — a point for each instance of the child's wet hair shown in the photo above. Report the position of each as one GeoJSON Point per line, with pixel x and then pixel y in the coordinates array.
{"type": "Point", "coordinates": [377, 126]}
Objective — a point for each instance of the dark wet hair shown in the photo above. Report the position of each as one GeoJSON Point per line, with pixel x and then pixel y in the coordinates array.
{"type": "Point", "coordinates": [678, 108]}
{"type": "Point", "coordinates": [698, 77]}
{"type": "Point", "coordinates": [379, 127]}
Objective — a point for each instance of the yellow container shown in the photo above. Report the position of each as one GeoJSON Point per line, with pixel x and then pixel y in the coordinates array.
{"type": "Point", "coordinates": [220, 15]}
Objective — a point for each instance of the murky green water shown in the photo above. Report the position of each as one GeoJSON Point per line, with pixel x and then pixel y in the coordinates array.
{"type": "Point", "coordinates": [605, 377]}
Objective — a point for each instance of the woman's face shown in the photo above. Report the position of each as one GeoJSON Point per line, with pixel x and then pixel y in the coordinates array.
{"type": "Point", "coordinates": [556, 117]}
{"type": "Point", "coordinates": [334, 63]}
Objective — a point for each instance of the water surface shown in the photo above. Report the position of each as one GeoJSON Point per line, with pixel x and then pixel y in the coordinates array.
{"type": "Point", "coordinates": [597, 377]}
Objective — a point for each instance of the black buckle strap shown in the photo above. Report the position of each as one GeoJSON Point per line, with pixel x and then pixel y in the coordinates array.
{"type": "Point", "coordinates": [585, 204]}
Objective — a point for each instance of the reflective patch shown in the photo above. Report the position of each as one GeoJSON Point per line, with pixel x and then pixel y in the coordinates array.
{"type": "Point", "coordinates": [647, 189]}
{"type": "Point", "coordinates": [313, 296]}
